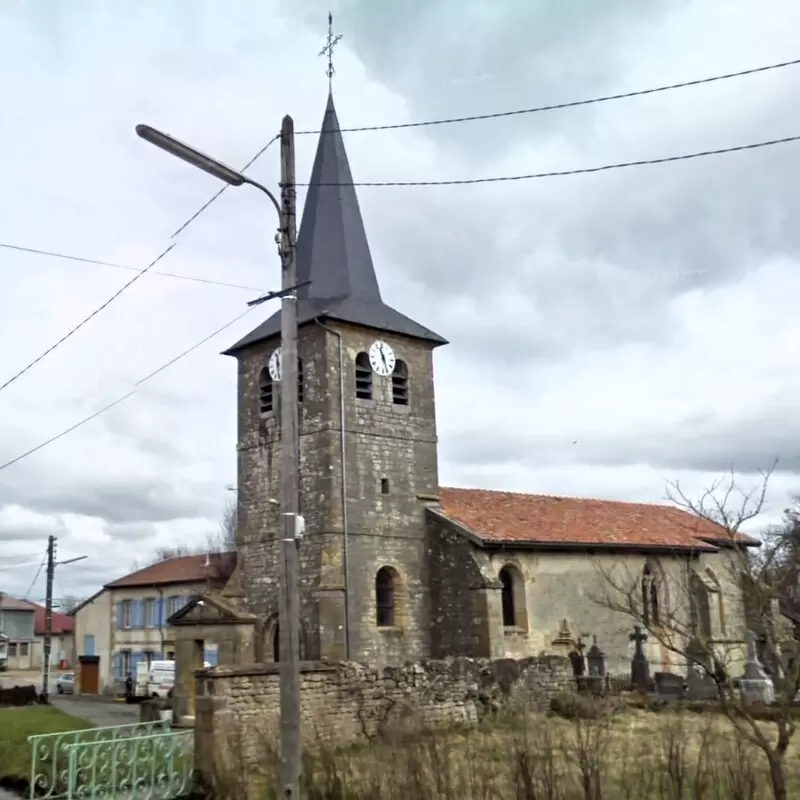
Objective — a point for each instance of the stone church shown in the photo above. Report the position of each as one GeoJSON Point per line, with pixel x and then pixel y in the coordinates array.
{"type": "Point", "coordinates": [393, 566]}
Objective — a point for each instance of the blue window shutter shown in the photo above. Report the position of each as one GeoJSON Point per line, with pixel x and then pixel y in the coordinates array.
{"type": "Point", "coordinates": [119, 616]}
{"type": "Point", "coordinates": [135, 659]}
{"type": "Point", "coordinates": [116, 666]}
{"type": "Point", "coordinates": [138, 620]}
{"type": "Point", "coordinates": [160, 612]}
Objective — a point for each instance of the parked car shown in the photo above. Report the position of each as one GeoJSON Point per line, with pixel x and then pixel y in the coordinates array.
{"type": "Point", "coordinates": [65, 684]}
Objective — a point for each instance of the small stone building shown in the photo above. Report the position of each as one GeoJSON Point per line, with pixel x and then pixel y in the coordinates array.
{"type": "Point", "coordinates": [393, 567]}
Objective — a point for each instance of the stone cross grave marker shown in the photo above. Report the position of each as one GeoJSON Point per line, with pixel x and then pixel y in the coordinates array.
{"type": "Point", "coordinates": [640, 668]}
{"type": "Point", "coordinates": [756, 685]}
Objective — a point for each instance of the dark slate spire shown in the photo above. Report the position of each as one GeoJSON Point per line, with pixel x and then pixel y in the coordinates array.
{"type": "Point", "coordinates": [332, 248]}
{"type": "Point", "coordinates": [333, 253]}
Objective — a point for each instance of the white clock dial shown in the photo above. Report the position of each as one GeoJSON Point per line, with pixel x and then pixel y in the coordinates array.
{"type": "Point", "coordinates": [381, 358]}
{"type": "Point", "coordinates": [275, 370]}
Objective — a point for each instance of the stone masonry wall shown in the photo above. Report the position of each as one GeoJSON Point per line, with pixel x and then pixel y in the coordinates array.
{"type": "Point", "coordinates": [391, 457]}
{"type": "Point", "coordinates": [347, 702]}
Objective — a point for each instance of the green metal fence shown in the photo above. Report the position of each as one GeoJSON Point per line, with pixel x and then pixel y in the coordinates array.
{"type": "Point", "coordinates": [154, 766]}
{"type": "Point", "coordinates": [144, 760]}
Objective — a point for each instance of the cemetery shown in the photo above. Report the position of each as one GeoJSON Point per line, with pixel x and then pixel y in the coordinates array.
{"type": "Point", "coordinates": [472, 724]}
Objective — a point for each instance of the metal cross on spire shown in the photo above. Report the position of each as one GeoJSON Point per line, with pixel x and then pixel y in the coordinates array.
{"type": "Point", "coordinates": [330, 43]}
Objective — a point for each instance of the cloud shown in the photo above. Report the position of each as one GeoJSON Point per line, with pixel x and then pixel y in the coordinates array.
{"type": "Point", "coordinates": [609, 332]}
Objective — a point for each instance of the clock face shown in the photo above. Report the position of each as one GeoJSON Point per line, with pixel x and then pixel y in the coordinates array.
{"type": "Point", "coordinates": [275, 371]}
{"type": "Point", "coordinates": [381, 358]}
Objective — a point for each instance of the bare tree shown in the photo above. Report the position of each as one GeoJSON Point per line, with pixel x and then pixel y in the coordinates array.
{"type": "Point", "coordinates": [224, 539]}
{"type": "Point", "coordinates": [755, 584]}
{"type": "Point", "coordinates": [68, 603]}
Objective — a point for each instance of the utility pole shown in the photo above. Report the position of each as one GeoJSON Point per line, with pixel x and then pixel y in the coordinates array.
{"type": "Point", "coordinates": [291, 523]}
{"type": "Point", "coordinates": [48, 614]}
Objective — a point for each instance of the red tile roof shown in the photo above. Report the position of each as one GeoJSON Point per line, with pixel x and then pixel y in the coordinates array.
{"type": "Point", "coordinates": [62, 625]}
{"type": "Point", "coordinates": [181, 569]}
{"type": "Point", "coordinates": [543, 519]}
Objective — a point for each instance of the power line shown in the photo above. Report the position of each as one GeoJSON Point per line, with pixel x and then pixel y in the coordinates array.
{"type": "Point", "coordinates": [35, 577]}
{"type": "Point", "coordinates": [124, 397]}
{"type": "Point", "coordinates": [565, 172]}
{"type": "Point", "coordinates": [87, 319]}
{"type": "Point", "coordinates": [209, 202]}
{"type": "Point", "coordinates": [570, 104]}
{"type": "Point", "coordinates": [135, 277]}
{"type": "Point", "coordinates": [52, 254]}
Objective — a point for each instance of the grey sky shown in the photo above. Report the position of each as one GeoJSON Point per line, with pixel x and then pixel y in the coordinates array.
{"type": "Point", "coordinates": [608, 332]}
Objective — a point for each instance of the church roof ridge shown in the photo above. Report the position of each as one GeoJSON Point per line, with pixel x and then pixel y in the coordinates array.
{"type": "Point", "coordinates": [663, 504]}
{"type": "Point", "coordinates": [496, 516]}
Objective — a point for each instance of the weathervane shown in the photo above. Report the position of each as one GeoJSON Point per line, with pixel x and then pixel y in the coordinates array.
{"type": "Point", "coordinates": [330, 43]}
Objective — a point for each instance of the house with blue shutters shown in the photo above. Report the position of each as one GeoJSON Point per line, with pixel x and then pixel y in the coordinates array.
{"type": "Point", "coordinates": [127, 622]}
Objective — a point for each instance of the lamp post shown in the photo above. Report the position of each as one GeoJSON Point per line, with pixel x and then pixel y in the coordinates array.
{"type": "Point", "coordinates": [292, 522]}
{"type": "Point", "coordinates": [48, 609]}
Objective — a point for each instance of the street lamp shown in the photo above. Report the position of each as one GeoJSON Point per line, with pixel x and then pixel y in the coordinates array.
{"type": "Point", "coordinates": [292, 522]}
{"type": "Point", "coordinates": [48, 609]}
{"type": "Point", "coordinates": [200, 160]}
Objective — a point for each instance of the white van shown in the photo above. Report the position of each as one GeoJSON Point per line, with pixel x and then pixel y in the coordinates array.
{"type": "Point", "coordinates": [160, 678]}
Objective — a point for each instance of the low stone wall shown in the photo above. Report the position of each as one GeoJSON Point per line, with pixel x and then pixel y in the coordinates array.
{"type": "Point", "coordinates": [347, 702]}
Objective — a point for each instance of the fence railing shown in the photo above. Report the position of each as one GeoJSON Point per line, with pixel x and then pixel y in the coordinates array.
{"type": "Point", "coordinates": [50, 755]}
{"type": "Point", "coordinates": [157, 766]}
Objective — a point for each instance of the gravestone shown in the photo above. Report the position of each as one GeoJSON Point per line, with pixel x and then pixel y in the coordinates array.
{"type": "Point", "coordinates": [669, 685]}
{"type": "Point", "coordinates": [700, 683]}
{"type": "Point", "coordinates": [596, 659]}
{"type": "Point", "coordinates": [640, 668]}
{"type": "Point", "coordinates": [756, 685]}
{"type": "Point", "coordinates": [578, 663]}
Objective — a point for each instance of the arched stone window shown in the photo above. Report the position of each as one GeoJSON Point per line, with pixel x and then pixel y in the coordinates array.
{"type": "Point", "coordinates": [400, 384]}
{"type": "Point", "coordinates": [700, 607]}
{"type": "Point", "coordinates": [301, 381]}
{"type": "Point", "coordinates": [512, 593]}
{"type": "Point", "coordinates": [363, 377]}
{"type": "Point", "coordinates": [386, 597]}
{"type": "Point", "coordinates": [717, 587]}
{"type": "Point", "coordinates": [651, 611]}
{"type": "Point", "coordinates": [276, 643]}
{"type": "Point", "coordinates": [265, 392]}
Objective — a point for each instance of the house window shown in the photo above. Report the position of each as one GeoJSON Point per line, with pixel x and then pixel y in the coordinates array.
{"type": "Point", "coordinates": [126, 614]}
{"type": "Point", "coordinates": [301, 381]}
{"type": "Point", "coordinates": [150, 613]}
{"type": "Point", "coordinates": [174, 604]}
{"type": "Point", "coordinates": [23, 648]}
{"type": "Point", "coordinates": [384, 486]}
{"type": "Point", "coordinates": [385, 585]}
{"type": "Point", "coordinates": [400, 384]}
{"type": "Point", "coordinates": [12, 649]}
{"type": "Point", "coordinates": [265, 400]}
{"type": "Point", "coordinates": [651, 614]}
{"type": "Point", "coordinates": [363, 377]}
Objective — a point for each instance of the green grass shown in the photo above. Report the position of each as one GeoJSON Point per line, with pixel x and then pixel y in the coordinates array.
{"type": "Point", "coordinates": [17, 724]}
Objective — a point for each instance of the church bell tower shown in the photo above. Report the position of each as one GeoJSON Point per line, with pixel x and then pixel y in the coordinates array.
{"type": "Point", "coordinates": [368, 445]}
